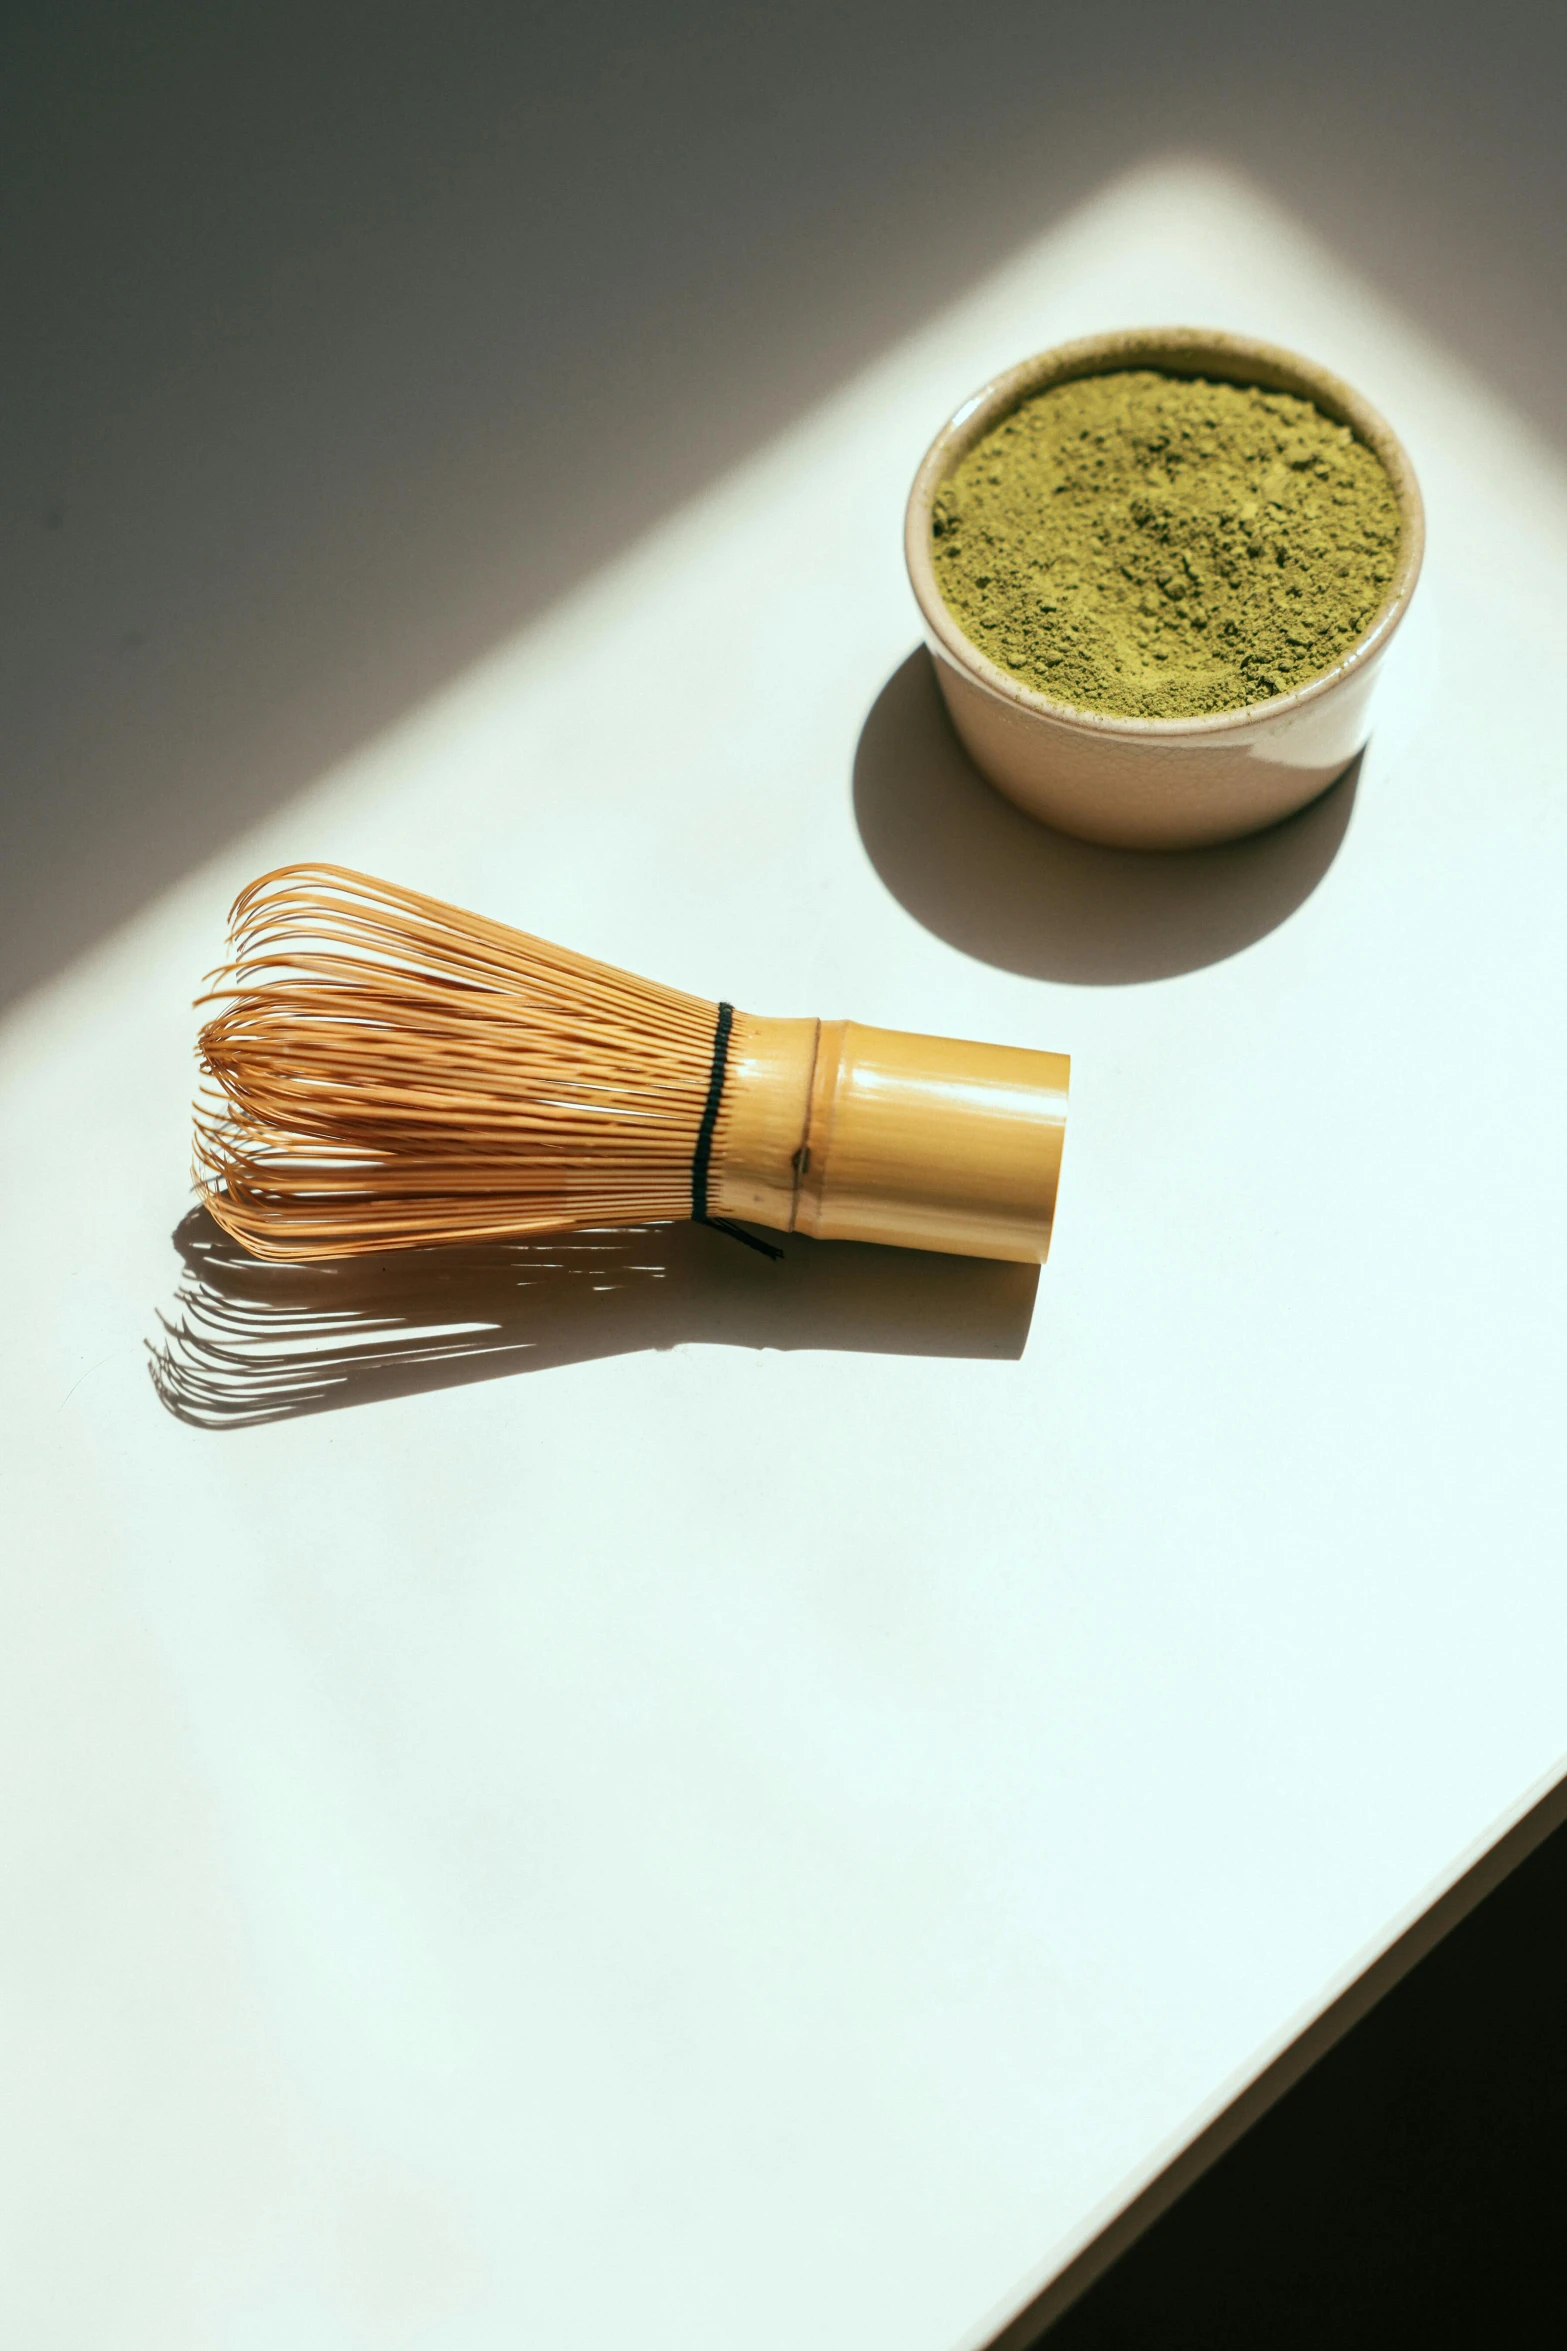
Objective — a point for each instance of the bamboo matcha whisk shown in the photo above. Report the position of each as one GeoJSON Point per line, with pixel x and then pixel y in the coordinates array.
{"type": "Point", "coordinates": [387, 1072]}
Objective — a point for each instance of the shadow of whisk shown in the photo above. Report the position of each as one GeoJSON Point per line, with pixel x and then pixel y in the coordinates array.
{"type": "Point", "coordinates": [250, 1341]}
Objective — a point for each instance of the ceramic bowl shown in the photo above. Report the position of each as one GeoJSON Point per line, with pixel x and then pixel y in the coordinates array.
{"type": "Point", "coordinates": [1159, 783]}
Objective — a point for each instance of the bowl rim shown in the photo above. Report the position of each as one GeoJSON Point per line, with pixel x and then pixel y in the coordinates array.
{"type": "Point", "coordinates": [1180, 350]}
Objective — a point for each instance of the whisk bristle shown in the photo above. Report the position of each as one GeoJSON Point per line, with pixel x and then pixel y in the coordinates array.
{"type": "Point", "coordinates": [388, 1071]}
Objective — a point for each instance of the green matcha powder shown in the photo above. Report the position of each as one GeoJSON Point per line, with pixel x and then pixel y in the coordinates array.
{"type": "Point", "coordinates": [1157, 546]}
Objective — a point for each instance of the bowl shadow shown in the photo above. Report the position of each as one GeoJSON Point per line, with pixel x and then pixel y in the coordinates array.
{"type": "Point", "coordinates": [1007, 890]}
{"type": "Point", "coordinates": [248, 1341]}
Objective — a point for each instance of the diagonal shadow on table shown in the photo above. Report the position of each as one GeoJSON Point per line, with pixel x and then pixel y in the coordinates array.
{"type": "Point", "coordinates": [249, 1341]}
{"type": "Point", "coordinates": [1008, 890]}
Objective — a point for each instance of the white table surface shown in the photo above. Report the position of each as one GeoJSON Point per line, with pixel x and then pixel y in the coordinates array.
{"type": "Point", "coordinates": [766, 1822]}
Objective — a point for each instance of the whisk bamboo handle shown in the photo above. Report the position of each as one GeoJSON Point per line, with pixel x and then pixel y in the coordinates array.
{"type": "Point", "coordinates": [860, 1134]}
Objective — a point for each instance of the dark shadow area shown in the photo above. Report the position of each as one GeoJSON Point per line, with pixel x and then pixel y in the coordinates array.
{"type": "Point", "coordinates": [340, 341]}
{"type": "Point", "coordinates": [992, 881]}
{"type": "Point", "coordinates": [1410, 2189]}
{"type": "Point", "coordinates": [249, 1341]}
